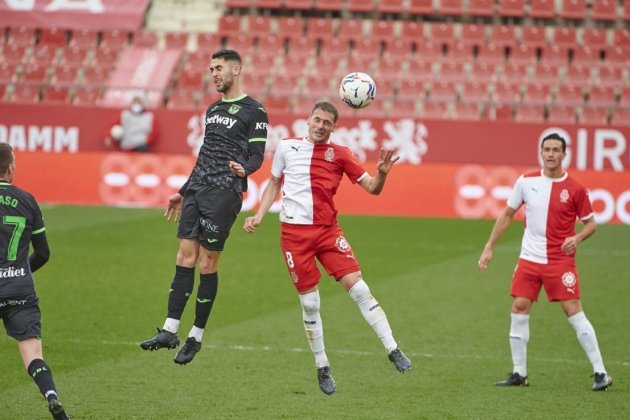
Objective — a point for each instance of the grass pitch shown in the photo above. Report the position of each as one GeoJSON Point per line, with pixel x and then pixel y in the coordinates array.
{"type": "Point", "coordinates": [105, 289]}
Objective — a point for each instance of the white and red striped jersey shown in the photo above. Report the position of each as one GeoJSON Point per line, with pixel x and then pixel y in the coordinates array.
{"type": "Point", "coordinates": [312, 173]}
{"type": "Point", "coordinates": [551, 208]}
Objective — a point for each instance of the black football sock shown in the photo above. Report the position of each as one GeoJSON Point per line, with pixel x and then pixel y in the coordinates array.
{"type": "Point", "coordinates": [181, 288]}
{"type": "Point", "coordinates": [41, 374]}
{"type": "Point", "coordinates": [206, 294]}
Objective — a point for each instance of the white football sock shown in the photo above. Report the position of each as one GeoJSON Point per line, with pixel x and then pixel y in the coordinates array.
{"type": "Point", "coordinates": [171, 325]}
{"type": "Point", "coordinates": [519, 336]}
{"type": "Point", "coordinates": [197, 333]}
{"type": "Point", "coordinates": [587, 338]}
{"type": "Point", "coordinates": [373, 314]}
{"type": "Point", "coordinates": [313, 327]}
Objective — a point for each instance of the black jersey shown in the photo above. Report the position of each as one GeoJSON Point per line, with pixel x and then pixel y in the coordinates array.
{"type": "Point", "coordinates": [20, 218]}
{"type": "Point", "coordinates": [236, 130]}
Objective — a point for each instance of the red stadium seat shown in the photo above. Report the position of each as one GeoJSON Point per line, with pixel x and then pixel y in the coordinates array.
{"type": "Point", "coordinates": [573, 9]}
{"type": "Point", "coordinates": [335, 48]}
{"type": "Point", "coordinates": [481, 8]}
{"type": "Point", "coordinates": [360, 6]}
{"type": "Point", "coordinates": [451, 8]}
{"type": "Point", "coordinates": [382, 30]}
{"type": "Point", "coordinates": [270, 45]}
{"type": "Point", "coordinates": [505, 93]}
{"type": "Point", "coordinates": [34, 74]}
{"type": "Point", "coordinates": [295, 65]}
{"type": "Point", "coordinates": [621, 37]}
{"type": "Point", "coordinates": [617, 56]}
{"type": "Point", "coordinates": [53, 37]}
{"type": "Point", "coordinates": [318, 85]}
{"type": "Point", "coordinates": [64, 75]}
{"type": "Point", "coordinates": [565, 36]}
{"type": "Point", "coordinates": [192, 79]}
{"type": "Point", "coordinates": [182, 99]}
{"type": "Point", "coordinates": [277, 104]}
{"type": "Point", "coordinates": [516, 73]}
{"type": "Point", "coordinates": [600, 96]}
{"type": "Point", "coordinates": [8, 72]}
{"type": "Point", "coordinates": [284, 85]}
{"type": "Point", "coordinates": [586, 56]}
{"type": "Point", "coordinates": [290, 26]}
{"type": "Point", "coordinates": [3, 92]}
{"type": "Point", "coordinates": [386, 88]}
{"type": "Point", "coordinates": [410, 90]}
{"type": "Point", "coordinates": [94, 76]}
{"type": "Point", "coordinates": [561, 115]}
{"type": "Point", "coordinates": [56, 95]}
{"type": "Point", "coordinates": [25, 94]}
{"type": "Point", "coordinates": [404, 109]}
{"type": "Point", "coordinates": [302, 5]}
{"type": "Point", "coordinates": [546, 74]}
{"type": "Point", "coordinates": [534, 36]}
{"type": "Point", "coordinates": [242, 42]}
{"type": "Point", "coordinates": [269, 4]}
{"type": "Point", "coordinates": [624, 98]}
{"type": "Point", "coordinates": [389, 68]}
{"type": "Point", "coordinates": [460, 53]}
{"type": "Point", "coordinates": [512, 8]}
{"type": "Point", "coordinates": [443, 91]}
{"type": "Point", "coordinates": [578, 74]}
{"type": "Point", "coordinates": [319, 27]}
{"type": "Point", "coordinates": [542, 9]}
{"type": "Point", "coordinates": [367, 49]}
{"type": "Point", "coordinates": [22, 36]}
{"type": "Point", "coordinates": [350, 29]}
{"type": "Point", "coordinates": [303, 46]}
{"type": "Point", "coordinates": [435, 110]}
{"type": "Point", "coordinates": [176, 40]}
{"type": "Point", "coordinates": [420, 7]}
{"type": "Point", "coordinates": [44, 55]}
{"type": "Point", "coordinates": [491, 53]}
{"type": "Point", "coordinates": [74, 56]}
{"type": "Point", "coordinates": [86, 96]}
{"type": "Point", "coordinates": [504, 35]}
{"type": "Point", "coordinates": [198, 60]}
{"type": "Point", "coordinates": [452, 71]}
{"type": "Point", "coordinates": [429, 51]}
{"type": "Point", "coordinates": [114, 39]}
{"type": "Point", "coordinates": [229, 25]}
{"type": "Point", "coordinates": [259, 25]}
{"type": "Point", "coordinates": [555, 55]}
{"type": "Point", "coordinates": [105, 57]}
{"type": "Point", "coordinates": [610, 76]}
{"type": "Point", "coordinates": [208, 42]}
{"type": "Point", "coordinates": [569, 95]}
{"type": "Point", "coordinates": [537, 94]}
{"type": "Point", "coordinates": [238, 4]}
{"type": "Point", "coordinates": [420, 71]}
{"type": "Point", "coordinates": [523, 54]}
{"type": "Point", "coordinates": [412, 31]}
{"type": "Point", "coordinates": [621, 116]}
{"type": "Point", "coordinates": [398, 49]}
{"type": "Point", "coordinates": [13, 53]}
{"type": "Point", "coordinates": [255, 85]}
{"type": "Point", "coordinates": [329, 5]}
{"type": "Point", "coordinates": [390, 6]}
{"type": "Point", "coordinates": [473, 34]}
{"type": "Point", "coordinates": [604, 10]}
{"type": "Point", "coordinates": [442, 33]}
{"type": "Point", "coordinates": [85, 39]}
{"type": "Point", "coordinates": [377, 109]}
{"type": "Point", "coordinates": [473, 91]}
{"type": "Point", "coordinates": [626, 11]}
{"type": "Point", "coordinates": [594, 115]}
{"type": "Point", "coordinates": [530, 114]}
{"type": "Point", "coordinates": [483, 72]}
{"type": "Point", "coordinates": [466, 112]}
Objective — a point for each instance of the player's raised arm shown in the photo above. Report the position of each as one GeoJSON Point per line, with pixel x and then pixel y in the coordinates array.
{"type": "Point", "coordinates": [374, 184]}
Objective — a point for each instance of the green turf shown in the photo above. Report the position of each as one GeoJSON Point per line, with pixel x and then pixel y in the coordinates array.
{"type": "Point", "coordinates": [105, 290]}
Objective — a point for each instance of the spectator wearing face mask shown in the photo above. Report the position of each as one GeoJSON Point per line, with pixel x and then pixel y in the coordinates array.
{"type": "Point", "coordinates": [135, 129]}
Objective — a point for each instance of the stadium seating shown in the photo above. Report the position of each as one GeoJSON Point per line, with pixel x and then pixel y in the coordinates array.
{"type": "Point", "coordinates": [604, 10]}
{"type": "Point", "coordinates": [530, 114]}
{"type": "Point", "coordinates": [593, 115]}
{"type": "Point", "coordinates": [182, 99]}
{"type": "Point", "coordinates": [573, 9]}
{"type": "Point", "coordinates": [542, 9]}
{"type": "Point", "coordinates": [56, 95]}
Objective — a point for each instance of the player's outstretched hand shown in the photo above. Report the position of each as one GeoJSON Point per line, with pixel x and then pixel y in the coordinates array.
{"type": "Point", "coordinates": [251, 223]}
{"type": "Point", "coordinates": [484, 259]}
{"type": "Point", "coordinates": [174, 208]}
{"type": "Point", "coordinates": [236, 168]}
{"type": "Point", "coordinates": [386, 160]}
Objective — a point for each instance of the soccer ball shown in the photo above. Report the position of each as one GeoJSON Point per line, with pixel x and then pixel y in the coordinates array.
{"type": "Point", "coordinates": [357, 90]}
{"type": "Point", "coordinates": [116, 132]}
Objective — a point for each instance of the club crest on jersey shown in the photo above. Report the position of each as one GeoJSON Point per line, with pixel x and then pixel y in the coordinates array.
{"type": "Point", "coordinates": [329, 154]}
{"type": "Point", "coordinates": [342, 244]}
{"type": "Point", "coordinates": [564, 196]}
{"type": "Point", "coordinates": [234, 109]}
{"type": "Point", "coordinates": [568, 279]}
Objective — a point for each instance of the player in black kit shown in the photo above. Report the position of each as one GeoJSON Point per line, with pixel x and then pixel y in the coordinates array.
{"type": "Point", "coordinates": [21, 225]}
{"type": "Point", "coordinates": [208, 203]}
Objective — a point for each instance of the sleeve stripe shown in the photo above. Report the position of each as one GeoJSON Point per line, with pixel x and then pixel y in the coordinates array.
{"type": "Point", "coordinates": [35, 232]}
{"type": "Point", "coordinates": [257, 139]}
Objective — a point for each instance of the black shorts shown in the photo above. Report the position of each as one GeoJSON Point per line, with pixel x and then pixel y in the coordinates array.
{"type": "Point", "coordinates": [21, 316]}
{"type": "Point", "coordinates": [208, 214]}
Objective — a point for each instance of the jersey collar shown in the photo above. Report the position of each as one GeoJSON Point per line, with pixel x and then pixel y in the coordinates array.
{"type": "Point", "coordinates": [235, 99]}
{"type": "Point", "coordinates": [564, 176]}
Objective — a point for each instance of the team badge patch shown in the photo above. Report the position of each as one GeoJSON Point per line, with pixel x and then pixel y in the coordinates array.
{"type": "Point", "coordinates": [342, 244]}
{"type": "Point", "coordinates": [329, 155]}
{"type": "Point", "coordinates": [564, 196]}
{"type": "Point", "coordinates": [568, 279]}
{"type": "Point", "coordinates": [234, 109]}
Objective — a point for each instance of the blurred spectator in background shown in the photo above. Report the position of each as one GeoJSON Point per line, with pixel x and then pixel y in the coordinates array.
{"type": "Point", "coordinates": [135, 129]}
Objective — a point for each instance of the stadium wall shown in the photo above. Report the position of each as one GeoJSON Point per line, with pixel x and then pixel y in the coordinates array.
{"type": "Point", "coordinates": [447, 169]}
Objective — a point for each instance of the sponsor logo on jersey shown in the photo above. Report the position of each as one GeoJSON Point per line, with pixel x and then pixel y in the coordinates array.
{"type": "Point", "coordinates": [12, 302]}
{"type": "Point", "coordinates": [329, 154]}
{"type": "Point", "coordinates": [261, 126]}
{"type": "Point", "coordinates": [218, 119]}
{"type": "Point", "coordinates": [234, 109]}
{"type": "Point", "coordinates": [11, 272]}
{"type": "Point", "coordinates": [564, 196]}
{"type": "Point", "coordinates": [208, 225]}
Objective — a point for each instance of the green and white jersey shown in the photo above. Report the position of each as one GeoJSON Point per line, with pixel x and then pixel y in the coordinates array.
{"type": "Point", "coordinates": [20, 219]}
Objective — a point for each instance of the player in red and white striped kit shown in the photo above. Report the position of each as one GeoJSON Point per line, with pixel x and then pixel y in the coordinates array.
{"type": "Point", "coordinates": [308, 171]}
{"type": "Point", "coordinates": [553, 201]}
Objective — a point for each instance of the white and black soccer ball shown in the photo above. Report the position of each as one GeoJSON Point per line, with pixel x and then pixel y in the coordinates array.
{"type": "Point", "coordinates": [116, 132]}
{"type": "Point", "coordinates": [357, 89]}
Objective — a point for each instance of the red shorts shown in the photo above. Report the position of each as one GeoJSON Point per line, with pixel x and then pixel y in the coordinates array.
{"type": "Point", "coordinates": [560, 280]}
{"type": "Point", "coordinates": [301, 244]}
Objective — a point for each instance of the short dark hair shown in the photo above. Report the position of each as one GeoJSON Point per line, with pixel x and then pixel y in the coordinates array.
{"type": "Point", "coordinates": [6, 157]}
{"type": "Point", "coordinates": [555, 136]}
{"type": "Point", "coordinates": [228, 55]}
{"type": "Point", "coordinates": [327, 107]}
